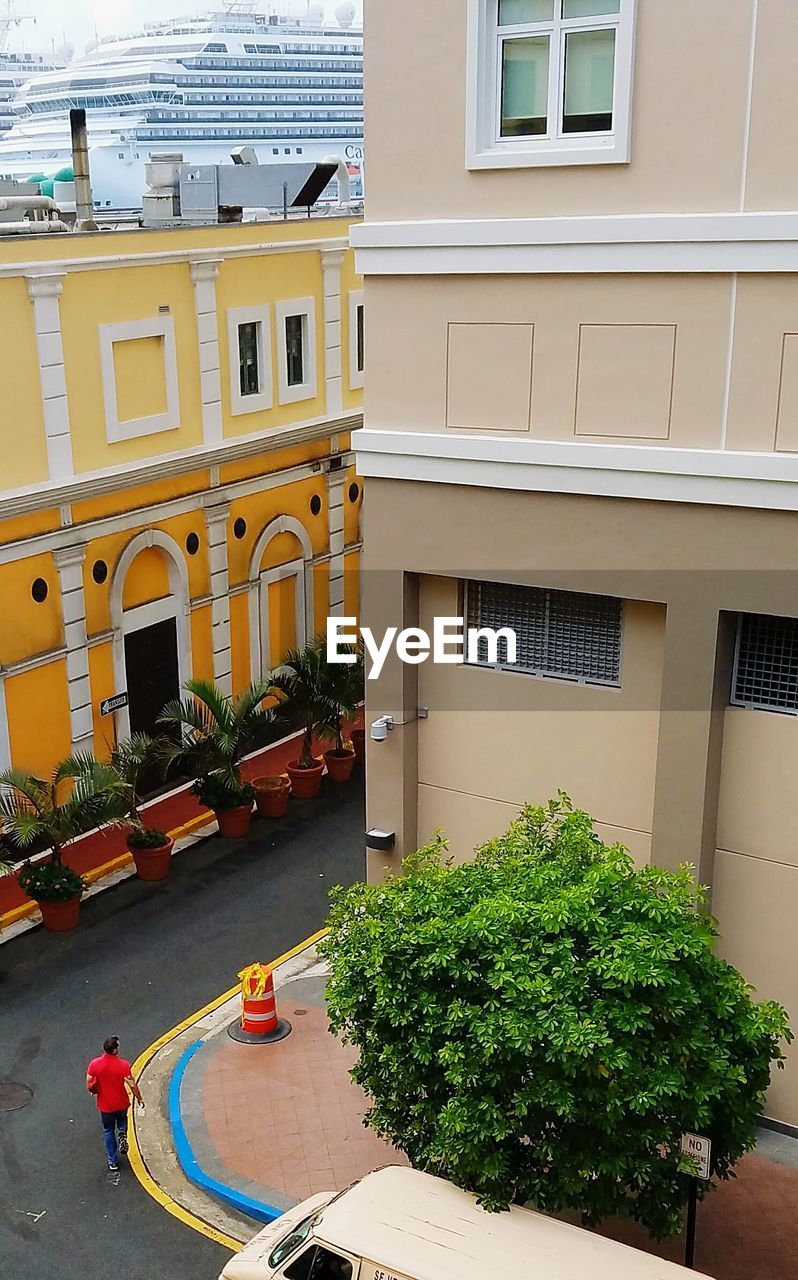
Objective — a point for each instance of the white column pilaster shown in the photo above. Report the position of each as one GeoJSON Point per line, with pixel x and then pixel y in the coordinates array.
{"type": "Point", "coordinates": [203, 276]}
{"type": "Point", "coordinates": [331, 262]}
{"type": "Point", "coordinates": [216, 521]}
{"type": "Point", "coordinates": [69, 564]}
{"type": "Point", "coordinates": [44, 292]}
{"type": "Point", "coordinates": [336, 484]}
{"type": "Point", "coordinates": [5, 738]}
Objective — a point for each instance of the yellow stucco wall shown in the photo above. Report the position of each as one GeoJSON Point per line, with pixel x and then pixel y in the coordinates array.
{"type": "Point", "coordinates": [38, 717]}
{"type": "Point", "coordinates": [23, 415]}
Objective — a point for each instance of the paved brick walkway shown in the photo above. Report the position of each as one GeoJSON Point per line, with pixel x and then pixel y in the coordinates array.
{"type": "Point", "coordinates": [282, 1122]}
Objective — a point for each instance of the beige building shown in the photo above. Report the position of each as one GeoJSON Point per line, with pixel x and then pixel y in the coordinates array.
{"type": "Point", "coordinates": [580, 258]}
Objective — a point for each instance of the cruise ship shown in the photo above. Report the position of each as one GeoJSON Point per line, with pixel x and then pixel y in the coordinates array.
{"type": "Point", "coordinates": [15, 70]}
{"type": "Point", "coordinates": [290, 87]}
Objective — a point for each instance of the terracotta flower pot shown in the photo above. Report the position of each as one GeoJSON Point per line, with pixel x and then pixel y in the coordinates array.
{"type": "Point", "coordinates": [359, 744]}
{"type": "Point", "coordinates": [271, 800]}
{"type": "Point", "coordinates": [153, 864]}
{"type": "Point", "coordinates": [234, 823]}
{"type": "Point", "coordinates": [58, 917]}
{"type": "Point", "coordinates": [340, 764]}
{"type": "Point", "coordinates": [305, 783]}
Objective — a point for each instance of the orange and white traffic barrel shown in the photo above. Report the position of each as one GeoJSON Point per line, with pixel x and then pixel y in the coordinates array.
{"type": "Point", "coordinates": [259, 1022]}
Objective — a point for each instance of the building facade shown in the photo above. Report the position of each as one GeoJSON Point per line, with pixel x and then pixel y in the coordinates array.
{"type": "Point", "coordinates": [582, 423]}
{"type": "Point", "coordinates": [178, 495]}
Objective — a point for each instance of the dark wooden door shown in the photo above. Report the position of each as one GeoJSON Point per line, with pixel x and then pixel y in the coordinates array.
{"type": "Point", "coordinates": [152, 673]}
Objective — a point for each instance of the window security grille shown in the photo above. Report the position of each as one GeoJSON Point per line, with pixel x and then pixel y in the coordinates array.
{"type": "Point", "coordinates": [766, 663]}
{"type": "Point", "coordinates": [566, 635]}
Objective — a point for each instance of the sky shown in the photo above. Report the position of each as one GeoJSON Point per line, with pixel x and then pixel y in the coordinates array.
{"type": "Point", "coordinates": [77, 20]}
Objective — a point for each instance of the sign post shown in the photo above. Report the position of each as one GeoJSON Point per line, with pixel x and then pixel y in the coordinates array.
{"type": "Point", "coordinates": [110, 706]}
{"type": "Point", "coordinates": [700, 1149]}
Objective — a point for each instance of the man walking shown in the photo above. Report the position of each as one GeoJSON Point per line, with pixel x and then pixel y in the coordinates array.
{"type": "Point", "coordinates": [109, 1077]}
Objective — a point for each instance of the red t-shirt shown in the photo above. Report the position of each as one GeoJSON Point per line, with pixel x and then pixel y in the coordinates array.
{"type": "Point", "coordinates": [110, 1072]}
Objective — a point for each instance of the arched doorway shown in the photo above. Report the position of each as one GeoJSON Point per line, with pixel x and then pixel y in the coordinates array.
{"type": "Point", "coordinates": [150, 622]}
{"type": "Point", "coordinates": [280, 593]}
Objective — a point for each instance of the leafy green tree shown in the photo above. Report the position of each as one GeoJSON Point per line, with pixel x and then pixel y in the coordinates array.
{"type": "Point", "coordinates": [214, 732]}
{"type": "Point", "coordinates": [542, 1024]}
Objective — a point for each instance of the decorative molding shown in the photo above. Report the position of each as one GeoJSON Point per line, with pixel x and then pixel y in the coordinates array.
{"type": "Point", "coordinates": [216, 521]}
{"type": "Point", "coordinates": [93, 484]}
{"type": "Point", "coordinates": [69, 564]}
{"type": "Point", "coordinates": [684, 243]}
{"type": "Point", "coordinates": [176, 605]}
{"type": "Point", "coordinates": [331, 262]}
{"type": "Point", "coordinates": [127, 331]}
{"type": "Point", "coordinates": [263, 398]}
{"type": "Point", "coordinates": [127, 521]}
{"type": "Point", "coordinates": [5, 740]}
{"type": "Point", "coordinates": [260, 657]}
{"type": "Point", "coordinates": [44, 292]}
{"type": "Point", "coordinates": [306, 390]}
{"type": "Point", "coordinates": [714, 477]}
{"type": "Point", "coordinates": [194, 256]}
{"type": "Point", "coordinates": [203, 276]}
{"type": "Point", "coordinates": [355, 300]}
{"type": "Point", "coordinates": [336, 482]}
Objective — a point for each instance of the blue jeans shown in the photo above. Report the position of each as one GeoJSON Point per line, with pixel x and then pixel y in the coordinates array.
{"type": "Point", "coordinates": [113, 1122]}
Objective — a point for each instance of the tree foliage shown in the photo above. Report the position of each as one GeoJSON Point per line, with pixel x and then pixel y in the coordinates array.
{"type": "Point", "coordinates": [542, 1024]}
{"type": "Point", "coordinates": [80, 794]}
{"type": "Point", "coordinates": [213, 732]}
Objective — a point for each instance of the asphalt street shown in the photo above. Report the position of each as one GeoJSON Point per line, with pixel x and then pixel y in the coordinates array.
{"type": "Point", "coordinates": [143, 958]}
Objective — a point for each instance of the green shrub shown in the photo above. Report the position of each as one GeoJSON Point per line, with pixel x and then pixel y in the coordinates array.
{"type": "Point", "coordinates": [147, 838]}
{"type": "Point", "coordinates": [220, 793]}
{"type": "Point", "coordinates": [49, 881]}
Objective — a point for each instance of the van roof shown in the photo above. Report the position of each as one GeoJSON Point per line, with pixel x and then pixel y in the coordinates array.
{"type": "Point", "coordinates": [423, 1227]}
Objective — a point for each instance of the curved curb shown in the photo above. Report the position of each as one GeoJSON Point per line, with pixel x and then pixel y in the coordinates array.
{"type": "Point", "coordinates": [136, 1161]}
{"type": "Point", "coordinates": [190, 1165]}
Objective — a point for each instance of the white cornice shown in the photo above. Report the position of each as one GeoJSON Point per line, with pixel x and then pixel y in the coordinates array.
{"type": "Point", "coordinates": [714, 477]}
{"type": "Point", "coordinates": [43, 497]}
{"type": "Point", "coordinates": [650, 242]}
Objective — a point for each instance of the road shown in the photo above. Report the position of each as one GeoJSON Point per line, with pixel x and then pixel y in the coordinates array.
{"type": "Point", "coordinates": [143, 958]}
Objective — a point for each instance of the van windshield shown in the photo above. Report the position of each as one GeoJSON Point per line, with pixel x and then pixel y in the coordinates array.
{"type": "Point", "coordinates": [296, 1236]}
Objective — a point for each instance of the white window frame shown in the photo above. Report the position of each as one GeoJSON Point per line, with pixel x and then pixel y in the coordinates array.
{"type": "Point", "coordinates": [305, 307]}
{"type": "Point", "coordinates": [485, 149]}
{"type": "Point", "coordinates": [264, 397]}
{"type": "Point", "coordinates": [355, 374]}
{"type": "Point", "coordinates": [127, 330]}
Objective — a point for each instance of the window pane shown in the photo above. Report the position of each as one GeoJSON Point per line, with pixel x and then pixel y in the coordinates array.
{"type": "Point", "coordinates": [514, 11]}
{"type": "Point", "coordinates": [248, 374]}
{"type": "Point", "coordinates": [525, 86]}
{"type": "Point", "coordinates": [589, 8]}
{"type": "Point", "coordinates": [359, 364]}
{"type": "Point", "coordinates": [294, 355]}
{"type": "Point", "coordinates": [589, 81]}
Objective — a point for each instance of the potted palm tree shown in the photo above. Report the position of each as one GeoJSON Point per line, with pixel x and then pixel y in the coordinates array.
{"type": "Point", "coordinates": [150, 848]}
{"type": "Point", "coordinates": [343, 689]}
{"type": "Point", "coordinates": [215, 732]}
{"type": "Point", "coordinates": [79, 795]}
{"type": "Point", "coordinates": [301, 681]}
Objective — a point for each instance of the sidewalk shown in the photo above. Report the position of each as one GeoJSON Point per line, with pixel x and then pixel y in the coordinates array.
{"type": "Point", "coordinates": [262, 1127]}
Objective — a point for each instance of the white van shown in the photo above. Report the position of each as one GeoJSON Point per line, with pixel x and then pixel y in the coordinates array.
{"type": "Point", "coordinates": [399, 1224]}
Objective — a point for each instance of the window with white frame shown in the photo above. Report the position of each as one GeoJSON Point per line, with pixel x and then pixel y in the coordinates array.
{"type": "Point", "coordinates": [296, 349]}
{"type": "Point", "coordinates": [549, 82]}
{"type": "Point", "coordinates": [766, 663]}
{"type": "Point", "coordinates": [356, 338]}
{"type": "Point", "coordinates": [563, 635]}
{"type": "Point", "coordinates": [250, 357]}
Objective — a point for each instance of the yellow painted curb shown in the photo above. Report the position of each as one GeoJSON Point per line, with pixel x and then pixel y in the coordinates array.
{"type": "Point", "coordinates": [134, 1155]}
{"type": "Point", "coordinates": [106, 869]}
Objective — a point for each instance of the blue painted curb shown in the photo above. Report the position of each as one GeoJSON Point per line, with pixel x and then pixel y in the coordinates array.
{"type": "Point", "coordinates": [189, 1163]}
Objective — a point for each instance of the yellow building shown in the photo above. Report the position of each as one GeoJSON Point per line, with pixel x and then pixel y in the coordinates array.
{"type": "Point", "coordinates": [177, 494]}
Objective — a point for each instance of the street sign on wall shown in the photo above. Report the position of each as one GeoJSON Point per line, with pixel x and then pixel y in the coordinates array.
{"type": "Point", "coordinates": [114, 703]}
{"type": "Point", "coordinates": [700, 1148]}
